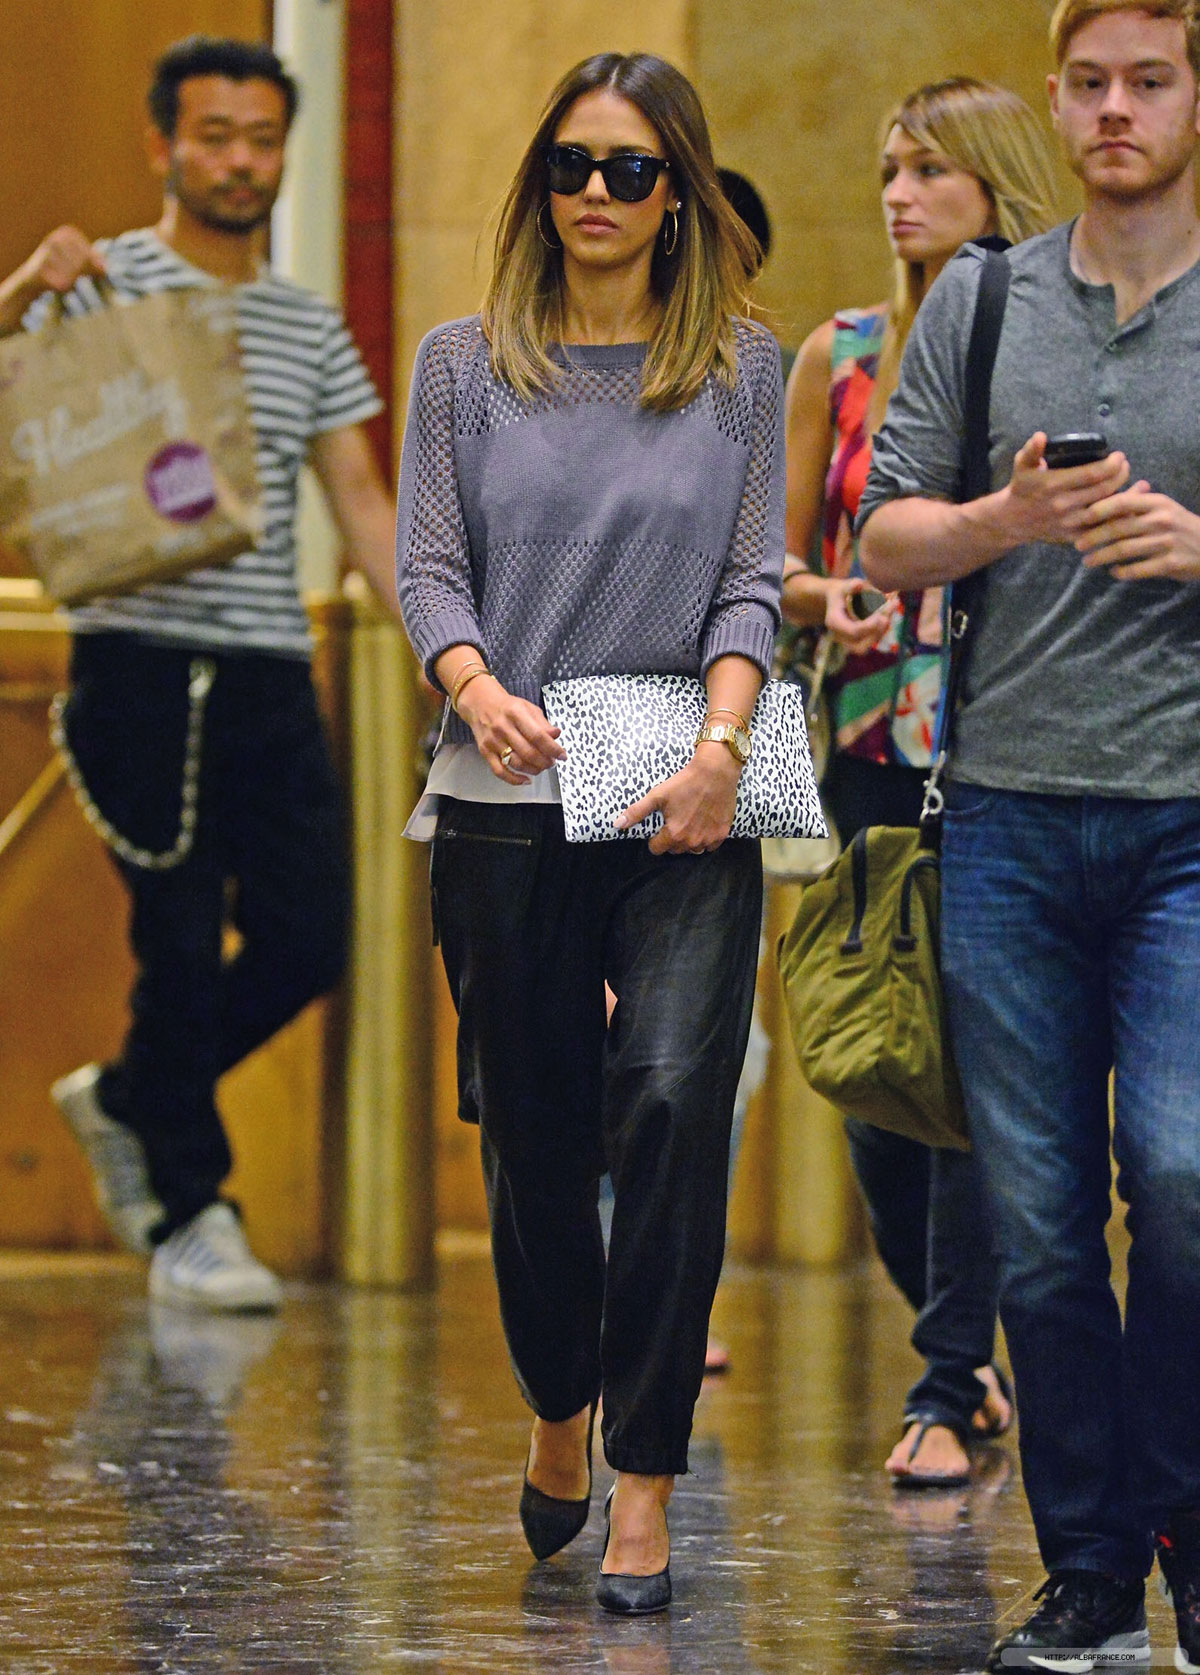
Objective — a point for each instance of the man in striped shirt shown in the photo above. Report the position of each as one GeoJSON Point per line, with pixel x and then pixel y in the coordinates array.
{"type": "Point", "coordinates": [208, 678]}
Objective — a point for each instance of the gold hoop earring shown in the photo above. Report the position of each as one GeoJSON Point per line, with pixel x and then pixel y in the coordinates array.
{"type": "Point", "coordinates": [550, 243]}
{"type": "Point", "coordinates": [669, 248]}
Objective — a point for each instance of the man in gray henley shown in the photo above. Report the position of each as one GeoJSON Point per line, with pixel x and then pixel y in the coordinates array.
{"type": "Point", "coordinates": [1071, 851]}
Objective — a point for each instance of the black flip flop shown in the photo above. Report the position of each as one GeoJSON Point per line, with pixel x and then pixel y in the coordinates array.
{"type": "Point", "coordinates": [929, 1480]}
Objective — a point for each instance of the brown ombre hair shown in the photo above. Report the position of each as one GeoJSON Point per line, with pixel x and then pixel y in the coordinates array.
{"type": "Point", "coordinates": [701, 283]}
{"type": "Point", "coordinates": [993, 135]}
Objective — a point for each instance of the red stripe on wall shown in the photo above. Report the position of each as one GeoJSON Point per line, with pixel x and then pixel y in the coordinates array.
{"type": "Point", "coordinates": [369, 94]}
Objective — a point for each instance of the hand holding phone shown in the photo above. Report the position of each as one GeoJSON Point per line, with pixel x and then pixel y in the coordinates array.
{"type": "Point", "coordinates": [1075, 447]}
{"type": "Point", "coordinates": [865, 602]}
{"type": "Point", "coordinates": [1055, 483]}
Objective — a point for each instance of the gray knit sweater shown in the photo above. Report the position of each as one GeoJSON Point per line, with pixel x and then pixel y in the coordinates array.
{"type": "Point", "coordinates": [580, 534]}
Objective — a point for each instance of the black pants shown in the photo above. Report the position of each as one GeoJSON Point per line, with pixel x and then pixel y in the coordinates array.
{"type": "Point", "coordinates": [925, 1204]}
{"type": "Point", "coordinates": [269, 861]}
{"type": "Point", "coordinates": [531, 927]}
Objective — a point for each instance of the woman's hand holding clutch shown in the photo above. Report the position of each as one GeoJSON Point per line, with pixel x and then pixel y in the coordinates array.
{"type": "Point", "coordinates": [697, 804]}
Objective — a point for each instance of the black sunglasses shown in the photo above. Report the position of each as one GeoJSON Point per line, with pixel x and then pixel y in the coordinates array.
{"type": "Point", "coordinates": [630, 176]}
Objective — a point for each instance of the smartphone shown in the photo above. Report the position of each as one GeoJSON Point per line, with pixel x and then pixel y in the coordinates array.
{"type": "Point", "coordinates": [865, 603]}
{"type": "Point", "coordinates": [1076, 447]}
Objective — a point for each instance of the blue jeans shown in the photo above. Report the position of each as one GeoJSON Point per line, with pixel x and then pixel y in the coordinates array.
{"type": "Point", "coordinates": [926, 1210]}
{"type": "Point", "coordinates": [1071, 944]}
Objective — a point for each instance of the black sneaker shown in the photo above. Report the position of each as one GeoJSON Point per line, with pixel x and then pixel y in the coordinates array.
{"type": "Point", "coordinates": [1084, 1615]}
{"type": "Point", "coordinates": [1178, 1549]}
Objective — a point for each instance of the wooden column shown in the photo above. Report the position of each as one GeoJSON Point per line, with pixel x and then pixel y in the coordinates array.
{"type": "Point", "coordinates": [387, 1232]}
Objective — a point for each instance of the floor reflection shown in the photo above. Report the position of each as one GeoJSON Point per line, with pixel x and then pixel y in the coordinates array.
{"type": "Point", "coordinates": [336, 1493]}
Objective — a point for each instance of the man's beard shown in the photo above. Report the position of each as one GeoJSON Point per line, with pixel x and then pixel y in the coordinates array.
{"type": "Point", "coordinates": [1158, 179]}
{"type": "Point", "coordinates": [209, 213]}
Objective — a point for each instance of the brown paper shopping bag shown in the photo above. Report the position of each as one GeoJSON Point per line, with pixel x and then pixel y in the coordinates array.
{"type": "Point", "coordinates": [126, 446]}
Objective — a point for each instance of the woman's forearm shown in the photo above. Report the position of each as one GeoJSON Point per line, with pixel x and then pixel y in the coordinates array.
{"type": "Point", "coordinates": [805, 596]}
{"type": "Point", "coordinates": [459, 661]}
{"type": "Point", "coordinates": [733, 684]}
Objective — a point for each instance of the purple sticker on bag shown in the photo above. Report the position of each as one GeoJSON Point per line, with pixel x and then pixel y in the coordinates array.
{"type": "Point", "coordinates": [180, 484]}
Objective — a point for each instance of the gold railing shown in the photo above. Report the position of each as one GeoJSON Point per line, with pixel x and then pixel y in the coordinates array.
{"type": "Point", "coordinates": [19, 818]}
{"type": "Point", "coordinates": [24, 607]}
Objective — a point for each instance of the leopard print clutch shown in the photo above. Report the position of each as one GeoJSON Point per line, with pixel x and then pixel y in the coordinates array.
{"type": "Point", "coordinates": [624, 734]}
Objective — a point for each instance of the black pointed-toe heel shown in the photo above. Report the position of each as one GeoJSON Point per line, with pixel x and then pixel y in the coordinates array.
{"type": "Point", "coordinates": [631, 1596]}
{"type": "Point", "coordinates": [549, 1523]}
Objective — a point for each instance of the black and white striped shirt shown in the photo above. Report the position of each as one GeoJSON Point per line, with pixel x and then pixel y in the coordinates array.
{"type": "Point", "coordinates": [304, 376]}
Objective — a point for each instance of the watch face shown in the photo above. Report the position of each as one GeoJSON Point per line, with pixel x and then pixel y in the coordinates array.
{"type": "Point", "coordinates": [737, 738]}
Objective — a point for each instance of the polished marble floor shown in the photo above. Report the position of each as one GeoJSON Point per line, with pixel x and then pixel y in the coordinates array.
{"type": "Point", "coordinates": [335, 1493]}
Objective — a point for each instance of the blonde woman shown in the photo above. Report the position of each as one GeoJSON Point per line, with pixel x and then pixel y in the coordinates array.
{"type": "Point", "coordinates": [593, 482]}
{"type": "Point", "coordinates": [960, 159]}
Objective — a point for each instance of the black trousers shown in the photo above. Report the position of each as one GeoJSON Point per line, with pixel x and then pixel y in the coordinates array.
{"type": "Point", "coordinates": [269, 862]}
{"type": "Point", "coordinates": [530, 928]}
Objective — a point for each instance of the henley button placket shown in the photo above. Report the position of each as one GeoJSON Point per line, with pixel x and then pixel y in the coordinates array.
{"type": "Point", "coordinates": [1107, 376]}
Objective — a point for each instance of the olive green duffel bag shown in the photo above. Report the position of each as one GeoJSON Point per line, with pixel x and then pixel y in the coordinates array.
{"type": "Point", "coordinates": [862, 985]}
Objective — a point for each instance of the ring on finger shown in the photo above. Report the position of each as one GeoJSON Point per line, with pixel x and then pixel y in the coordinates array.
{"type": "Point", "coordinates": [506, 755]}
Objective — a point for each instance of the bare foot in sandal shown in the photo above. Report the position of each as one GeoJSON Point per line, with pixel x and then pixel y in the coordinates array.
{"type": "Point", "coordinates": [994, 1414]}
{"type": "Point", "coordinates": [928, 1456]}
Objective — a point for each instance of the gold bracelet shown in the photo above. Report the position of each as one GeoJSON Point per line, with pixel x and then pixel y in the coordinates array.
{"type": "Point", "coordinates": [464, 676]}
{"type": "Point", "coordinates": [723, 709]}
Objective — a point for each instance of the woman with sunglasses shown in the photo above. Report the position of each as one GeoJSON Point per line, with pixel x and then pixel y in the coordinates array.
{"type": "Point", "coordinates": [959, 159]}
{"type": "Point", "coordinates": [592, 482]}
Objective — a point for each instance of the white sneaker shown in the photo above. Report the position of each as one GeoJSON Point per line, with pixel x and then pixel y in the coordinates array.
{"type": "Point", "coordinates": [207, 1264]}
{"type": "Point", "coordinates": [116, 1155]}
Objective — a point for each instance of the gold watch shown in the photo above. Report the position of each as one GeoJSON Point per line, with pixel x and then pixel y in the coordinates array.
{"type": "Point", "coordinates": [721, 732]}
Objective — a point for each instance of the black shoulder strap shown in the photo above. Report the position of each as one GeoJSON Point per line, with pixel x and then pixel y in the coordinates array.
{"type": "Point", "coordinates": [990, 302]}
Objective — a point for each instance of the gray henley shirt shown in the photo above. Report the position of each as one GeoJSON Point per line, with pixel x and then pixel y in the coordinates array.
{"type": "Point", "coordinates": [580, 533]}
{"type": "Point", "coordinates": [1076, 682]}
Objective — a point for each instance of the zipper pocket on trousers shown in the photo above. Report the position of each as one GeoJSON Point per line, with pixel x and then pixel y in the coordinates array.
{"type": "Point", "coordinates": [486, 837]}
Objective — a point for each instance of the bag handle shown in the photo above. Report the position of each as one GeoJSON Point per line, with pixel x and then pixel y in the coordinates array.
{"type": "Point", "coordinates": [961, 598]}
{"type": "Point", "coordinates": [904, 942]}
{"type": "Point", "coordinates": [105, 293]}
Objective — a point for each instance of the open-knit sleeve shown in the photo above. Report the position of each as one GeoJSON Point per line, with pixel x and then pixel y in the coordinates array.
{"type": "Point", "coordinates": [744, 614]}
{"type": "Point", "coordinates": [433, 561]}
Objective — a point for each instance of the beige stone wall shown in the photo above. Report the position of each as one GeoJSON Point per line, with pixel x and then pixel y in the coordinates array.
{"type": "Point", "coordinates": [796, 90]}
{"type": "Point", "coordinates": [73, 77]}
{"type": "Point", "coordinates": [473, 76]}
